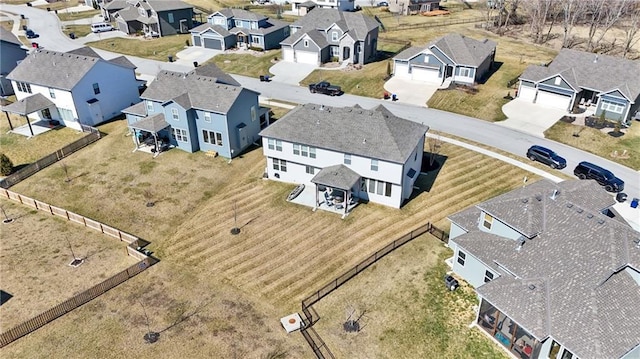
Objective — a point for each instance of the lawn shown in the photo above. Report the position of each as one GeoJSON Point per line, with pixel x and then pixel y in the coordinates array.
{"type": "Point", "coordinates": [78, 30]}
{"type": "Point", "coordinates": [600, 143]}
{"type": "Point", "coordinates": [58, 5]}
{"type": "Point", "coordinates": [156, 49]}
{"type": "Point", "coordinates": [76, 15]}
{"type": "Point", "coordinates": [224, 294]}
{"type": "Point", "coordinates": [251, 64]}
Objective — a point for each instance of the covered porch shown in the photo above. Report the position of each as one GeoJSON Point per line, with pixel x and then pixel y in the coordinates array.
{"type": "Point", "coordinates": [333, 189]}
{"type": "Point", "coordinates": [151, 134]}
{"type": "Point", "coordinates": [33, 104]}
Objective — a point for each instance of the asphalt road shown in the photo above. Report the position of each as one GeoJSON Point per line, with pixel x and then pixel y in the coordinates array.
{"type": "Point", "coordinates": [506, 139]}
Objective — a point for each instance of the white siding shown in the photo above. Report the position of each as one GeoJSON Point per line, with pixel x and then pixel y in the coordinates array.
{"type": "Point", "coordinates": [63, 99]}
{"type": "Point", "coordinates": [287, 53]}
{"type": "Point", "coordinates": [527, 93]}
{"type": "Point", "coordinates": [401, 70]}
{"type": "Point", "coordinates": [425, 74]}
{"type": "Point", "coordinates": [553, 100]}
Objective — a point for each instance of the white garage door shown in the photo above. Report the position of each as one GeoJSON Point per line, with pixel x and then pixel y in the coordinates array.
{"type": "Point", "coordinates": [424, 74]}
{"type": "Point", "coordinates": [287, 54]}
{"type": "Point", "coordinates": [306, 57]}
{"type": "Point", "coordinates": [402, 70]}
{"type": "Point", "coordinates": [527, 93]}
{"type": "Point", "coordinates": [553, 100]}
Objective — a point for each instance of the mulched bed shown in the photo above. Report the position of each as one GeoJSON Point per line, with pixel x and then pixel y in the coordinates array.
{"type": "Point", "coordinates": [597, 123]}
{"type": "Point", "coordinates": [568, 119]}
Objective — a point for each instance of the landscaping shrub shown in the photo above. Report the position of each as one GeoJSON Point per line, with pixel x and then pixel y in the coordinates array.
{"type": "Point", "coordinates": [6, 166]}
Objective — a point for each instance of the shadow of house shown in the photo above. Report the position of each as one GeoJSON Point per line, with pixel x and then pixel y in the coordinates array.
{"type": "Point", "coordinates": [429, 173]}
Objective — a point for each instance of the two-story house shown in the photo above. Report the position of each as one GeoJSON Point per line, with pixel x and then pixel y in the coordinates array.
{"type": "Point", "coordinates": [75, 87]}
{"type": "Point", "coordinates": [302, 7]}
{"type": "Point", "coordinates": [380, 149]}
{"type": "Point", "coordinates": [155, 17]}
{"type": "Point", "coordinates": [110, 8]}
{"type": "Point", "coordinates": [408, 7]}
{"type": "Point", "coordinates": [202, 110]}
{"type": "Point", "coordinates": [576, 78]}
{"type": "Point", "coordinates": [556, 271]}
{"type": "Point", "coordinates": [229, 28]}
{"type": "Point", "coordinates": [12, 52]}
{"type": "Point", "coordinates": [330, 34]}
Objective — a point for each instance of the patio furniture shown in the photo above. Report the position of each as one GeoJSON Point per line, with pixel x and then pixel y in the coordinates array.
{"type": "Point", "coordinates": [327, 199]}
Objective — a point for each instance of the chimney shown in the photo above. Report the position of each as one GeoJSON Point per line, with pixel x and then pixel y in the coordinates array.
{"type": "Point", "coordinates": [521, 242]}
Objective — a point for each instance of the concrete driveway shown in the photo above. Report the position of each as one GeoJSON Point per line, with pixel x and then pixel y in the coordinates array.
{"type": "Point", "coordinates": [291, 72]}
{"type": "Point", "coordinates": [193, 54]}
{"type": "Point", "coordinates": [529, 117]}
{"type": "Point", "coordinates": [411, 92]}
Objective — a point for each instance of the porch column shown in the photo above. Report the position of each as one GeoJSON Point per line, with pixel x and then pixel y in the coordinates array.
{"type": "Point", "coordinates": [29, 123]}
{"type": "Point", "coordinates": [346, 201]}
{"type": "Point", "coordinates": [315, 185]}
{"type": "Point", "coordinates": [8, 119]}
{"type": "Point", "coordinates": [155, 143]}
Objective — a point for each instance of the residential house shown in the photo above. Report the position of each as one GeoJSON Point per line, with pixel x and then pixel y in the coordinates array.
{"type": "Point", "coordinates": [229, 28]}
{"type": "Point", "coordinates": [13, 52]}
{"type": "Point", "coordinates": [556, 271]}
{"type": "Point", "coordinates": [381, 151]}
{"type": "Point", "coordinates": [410, 7]}
{"type": "Point", "coordinates": [155, 17]}
{"type": "Point", "coordinates": [204, 109]}
{"type": "Point", "coordinates": [456, 57]}
{"type": "Point", "coordinates": [326, 34]}
{"type": "Point", "coordinates": [302, 7]}
{"type": "Point", "coordinates": [75, 87]}
{"type": "Point", "coordinates": [110, 8]}
{"type": "Point", "coordinates": [576, 78]}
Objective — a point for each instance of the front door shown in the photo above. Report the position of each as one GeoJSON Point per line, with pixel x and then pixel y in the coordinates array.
{"type": "Point", "coordinates": [95, 112]}
{"type": "Point", "coordinates": [448, 72]}
{"type": "Point", "coordinates": [346, 53]}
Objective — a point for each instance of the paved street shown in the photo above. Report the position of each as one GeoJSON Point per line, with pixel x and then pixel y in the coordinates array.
{"type": "Point", "coordinates": [508, 139]}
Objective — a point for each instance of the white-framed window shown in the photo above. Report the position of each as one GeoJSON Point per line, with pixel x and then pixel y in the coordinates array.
{"type": "Point", "coordinates": [557, 81]}
{"type": "Point", "coordinates": [274, 144]}
{"type": "Point", "coordinates": [170, 17]}
{"type": "Point", "coordinates": [255, 39]}
{"type": "Point", "coordinates": [212, 137]}
{"type": "Point", "coordinates": [306, 43]}
{"type": "Point", "coordinates": [149, 106]}
{"type": "Point", "coordinates": [347, 159]}
{"type": "Point", "coordinates": [254, 113]}
{"type": "Point", "coordinates": [381, 188]}
{"type": "Point", "coordinates": [462, 257]}
{"type": "Point", "coordinates": [279, 165]}
{"type": "Point", "coordinates": [465, 72]}
{"type": "Point", "coordinates": [254, 25]}
{"type": "Point", "coordinates": [374, 165]}
{"type": "Point", "coordinates": [296, 149]}
{"type": "Point", "coordinates": [24, 87]}
{"type": "Point", "coordinates": [612, 106]}
{"type": "Point", "coordinates": [310, 170]}
{"type": "Point", "coordinates": [66, 114]}
{"type": "Point", "coordinates": [238, 23]}
{"type": "Point", "coordinates": [52, 93]}
{"type": "Point", "coordinates": [304, 151]}
{"type": "Point", "coordinates": [96, 88]}
{"type": "Point", "coordinates": [488, 276]}
{"type": "Point", "coordinates": [174, 114]}
{"type": "Point", "coordinates": [487, 221]}
{"type": "Point", "coordinates": [312, 152]}
{"type": "Point", "coordinates": [207, 117]}
{"type": "Point", "coordinates": [334, 36]}
{"type": "Point", "coordinates": [335, 51]}
{"type": "Point", "coordinates": [180, 134]}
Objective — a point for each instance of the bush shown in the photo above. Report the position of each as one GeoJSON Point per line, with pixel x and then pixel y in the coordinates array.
{"type": "Point", "coordinates": [6, 166]}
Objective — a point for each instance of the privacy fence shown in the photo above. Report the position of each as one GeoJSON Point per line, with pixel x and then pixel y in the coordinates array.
{"type": "Point", "coordinates": [46, 161]}
{"type": "Point", "coordinates": [310, 316]}
{"type": "Point", "coordinates": [134, 249]}
{"type": "Point", "coordinates": [439, 23]}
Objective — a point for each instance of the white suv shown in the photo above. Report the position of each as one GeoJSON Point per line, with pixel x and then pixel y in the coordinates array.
{"type": "Point", "coordinates": [101, 27]}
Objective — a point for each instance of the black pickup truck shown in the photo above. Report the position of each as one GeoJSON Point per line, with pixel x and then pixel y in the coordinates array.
{"type": "Point", "coordinates": [325, 88]}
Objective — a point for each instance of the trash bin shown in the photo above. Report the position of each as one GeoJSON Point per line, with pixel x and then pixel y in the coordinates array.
{"type": "Point", "coordinates": [394, 97]}
{"type": "Point", "coordinates": [29, 4]}
{"type": "Point", "coordinates": [634, 203]}
{"type": "Point", "coordinates": [72, 35]}
{"type": "Point", "coordinates": [48, 9]}
{"type": "Point", "coordinates": [170, 58]}
{"type": "Point", "coordinates": [22, 16]}
{"type": "Point", "coordinates": [621, 197]}
{"type": "Point", "coordinates": [24, 27]}
{"type": "Point", "coordinates": [195, 64]}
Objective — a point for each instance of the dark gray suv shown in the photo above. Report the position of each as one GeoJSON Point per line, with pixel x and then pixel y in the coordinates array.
{"type": "Point", "coordinates": [546, 156]}
{"type": "Point", "coordinates": [587, 170]}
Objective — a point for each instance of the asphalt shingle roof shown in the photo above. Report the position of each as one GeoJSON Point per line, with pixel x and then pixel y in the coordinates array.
{"type": "Point", "coordinates": [199, 89]}
{"type": "Point", "coordinates": [167, 5]}
{"type": "Point", "coordinates": [115, 5]}
{"type": "Point", "coordinates": [206, 26]}
{"type": "Point", "coordinates": [241, 14]}
{"type": "Point", "coordinates": [29, 105]}
{"type": "Point", "coordinates": [337, 176]}
{"type": "Point", "coordinates": [153, 124]}
{"type": "Point", "coordinates": [409, 53]}
{"type": "Point", "coordinates": [375, 133]}
{"type": "Point", "coordinates": [464, 50]}
{"type": "Point", "coordinates": [356, 24]}
{"type": "Point", "coordinates": [592, 71]}
{"type": "Point", "coordinates": [138, 109]}
{"type": "Point", "coordinates": [580, 295]}
{"type": "Point", "coordinates": [8, 36]}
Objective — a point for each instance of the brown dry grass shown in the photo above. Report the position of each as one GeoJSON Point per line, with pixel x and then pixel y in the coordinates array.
{"type": "Point", "coordinates": [34, 258]}
{"type": "Point", "coordinates": [284, 252]}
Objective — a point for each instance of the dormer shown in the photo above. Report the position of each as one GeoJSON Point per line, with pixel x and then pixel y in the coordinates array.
{"type": "Point", "coordinates": [633, 273]}
{"type": "Point", "coordinates": [490, 224]}
{"type": "Point", "coordinates": [334, 33]}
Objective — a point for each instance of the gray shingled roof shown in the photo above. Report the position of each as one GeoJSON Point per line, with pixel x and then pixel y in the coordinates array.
{"type": "Point", "coordinates": [53, 69]}
{"type": "Point", "coordinates": [409, 53]}
{"type": "Point", "coordinates": [123, 61]}
{"type": "Point", "coordinates": [195, 89]}
{"type": "Point", "coordinates": [115, 5]}
{"type": "Point", "coordinates": [580, 297]}
{"type": "Point", "coordinates": [206, 26]}
{"type": "Point", "coordinates": [213, 71]}
{"type": "Point", "coordinates": [337, 176]}
{"type": "Point", "coordinates": [465, 50]}
{"type": "Point", "coordinates": [592, 71]}
{"type": "Point", "coordinates": [271, 26]}
{"type": "Point", "coordinates": [29, 105]}
{"type": "Point", "coordinates": [376, 133]}
{"type": "Point", "coordinates": [167, 5]}
{"type": "Point", "coordinates": [240, 14]}
{"type": "Point", "coordinates": [129, 13]}
{"type": "Point", "coordinates": [153, 124]}
{"type": "Point", "coordinates": [357, 24]}
{"type": "Point", "coordinates": [8, 36]}
{"type": "Point", "coordinates": [139, 109]}
{"type": "Point", "coordinates": [85, 51]}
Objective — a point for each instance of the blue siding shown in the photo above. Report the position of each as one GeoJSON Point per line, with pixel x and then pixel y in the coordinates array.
{"type": "Point", "coordinates": [615, 99]}
{"type": "Point", "coordinates": [426, 60]}
{"type": "Point", "coordinates": [441, 55]}
{"type": "Point", "coordinates": [240, 113]}
{"type": "Point", "coordinates": [499, 228]}
{"type": "Point", "coordinates": [552, 82]}
{"type": "Point", "coordinates": [183, 122]}
{"type": "Point", "coordinates": [473, 270]}
{"type": "Point", "coordinates": [167, 28]}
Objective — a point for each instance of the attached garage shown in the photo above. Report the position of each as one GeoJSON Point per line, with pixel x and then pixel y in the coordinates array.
{"type": "Point", "coordinates": [287, 53]}
{"type": "Point", "coordinates": [196, 40]}
{"type": "Point", "coordinates": [425, 74]}
{"type": "Point", "coordinates": [527, 93]}
{"type": "Point", "coordinates": [306, 57]}
{"type": "Point", "coordinates": [554, 100]}
{"type": "Point", "coordinates": [401, 70]}
{"type": "Point", "coordinates": [215, 44]}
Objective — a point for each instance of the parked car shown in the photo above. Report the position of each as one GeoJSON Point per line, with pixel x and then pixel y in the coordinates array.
{"type": "Point", "coordinates": [101, 27]}
{"type": "Point", "coordinates": [31, 35]}
{"type": "Point", "coordinates": [325, 88]}
{"type": "Point", "coordinates": [546, 156]}
{"type": "Point", "coordinates": [382, 3]}
{"type": "Point", "coordinates": [587, 170]}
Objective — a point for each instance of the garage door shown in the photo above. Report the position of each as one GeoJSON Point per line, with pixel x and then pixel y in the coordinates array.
{"type": "Point", "coordinates": [527, 93]}
{"type": "Point", "coordinates": [196, 40]}
{"type": "Point", "coordinates": [212, 43]}
{"type": "Point", "coordinates": [402, 70]}
{"type": "Point", "coordinates": [424, 74]}
{"type": "Point", "coordinates": [306, 57]}
{"type": "Point", "coordinates": [553, 100]}
{"type": "Point", "coordinates": [287, 54]}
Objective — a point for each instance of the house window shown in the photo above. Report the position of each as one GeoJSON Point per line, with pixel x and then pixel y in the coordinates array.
{"type": "Point", "coordinates": [461, 258]}
{"type": "Point", "coordinates": [312, 152]}
{"type": "Point", "coordinates": [306, 43]}
{"type": "Point", "coordinates": [465, 72]}
{"type": "Point", "coordinates": [488, 221]}
{"type": "Point", "coordinates": [207, 117]}
{"type": "Point", "coordinates": [387, 190]}
{"type": "Point", "coordinates": [335, 51]}
{"type": "Point", "coordinates": [378, 187]}
{"type": "Point", "coordinates": [558, 80]}
{"type": "Point", "coordinates": [211, 137]}
{"type": "Point", "coordinates": [296, 149]}
{"type": "Point", "coordinates": [278, 145]}
{"type": "Point", "coordinates": [170, 17]}
{"type": "Point", "coordinates": [174, 114]}
{"type": "Point", "coordinates": [96, 88]}
{"type": "Point", "coordinates": [363, 184]}
{"type": "Point", "coordinates": [52, 93]}
{"type": "Point", "coordinates": [279, 165]}
{"type": "Point", "coordinates": [46, 113]}
{"type": "Point", "coordinates": [310, 170]}
{"type": "Point", "coordinates": [374, 165]}
{"type": "Point", "coordinates": [238, 23]}
{"type": "Point", "coordinates": [334, 36]}
{"type": "Point", "coordinates": [612, 106]}
{"type": "Point", "coordinates": [24, 87]}
{"type": "Point", "coordinates": [255, 39]}
{"type": "Point", "coordinates": [304, 151]}
{"type": "Point", "coordinates": [254, 113]}
{"type": "Point", "coordinates": [149, 106]}
{"type": "Point", "coordinates": [347, 159]}
{"type": "Point", "coordinates": [488, 276]}
{"type": "Point", "coordinates": [274, 144]}
{"type": "Point", "coordinates": [179, 134]}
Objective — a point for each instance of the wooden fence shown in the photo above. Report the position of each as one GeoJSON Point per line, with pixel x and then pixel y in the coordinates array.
{"type": "Point", "coordinates": [402, 27]}
{"type": "Point", "coordinates": [52, 158]}
{"type": "Point", "coordinates": [310, 316]}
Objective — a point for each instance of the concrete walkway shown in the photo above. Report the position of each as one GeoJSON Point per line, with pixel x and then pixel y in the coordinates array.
{"type": "Point", "coordinates": [411, 92]}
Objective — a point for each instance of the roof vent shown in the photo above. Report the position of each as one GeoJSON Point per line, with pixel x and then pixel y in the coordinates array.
{"type": "Point", "coordinates": [580, 210]}
{"type": "Point", "coordinates": [595, 59]}
{"type": "Point", "coordinates": [637, 242]}
{"type": "Point", "coordinates": [364, 141]}
{"type": "Point", "coordinates": [569, 205]}
{"type": "Point", "coordinates": [521, 243]}
{"type": "Point", "coordinates": [531, 287]}
{"type": "Point", "coordinates": [321, 108]}
{"type": "Point", "coordinates": [589, 215]}
{"type": "Point", "coordinates": [538, 197]}
{"type": "Point", "coordinates": [554, 194]}
{"type": "Point", "coordinates": [601, 221]}
{"type": "Point", "coordinates": [525, 200]}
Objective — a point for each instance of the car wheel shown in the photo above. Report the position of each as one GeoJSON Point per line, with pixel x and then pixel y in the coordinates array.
{"type": "Point", "coordinates": [608, 188]}
{"type": "Point", "coordinates": [532, 158]}
{"type": "Point", "coordinates": [553, 165]}
{"type": "Point", "coordinates": [582, 176]}
{"type": "Point", "coordinates": [313, 91]}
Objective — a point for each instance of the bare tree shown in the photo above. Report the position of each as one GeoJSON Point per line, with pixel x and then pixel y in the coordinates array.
{"type": "Point", "coordinates": [611, 16]}
{"type": "Point", "coordinates": [537, 11]}
{"type": "Point", "coordinates": [595, 12]}
{"type": "Point", "coordinates": [511, 8]}
{"type": "Point", "coordinates": [631, 31]}
{"type": "Point", "coordinates": [435, 145]}
{"type": "Point", "coordinates": [65, 169]}
{"type": "Point", "coordinates": [572, 12]}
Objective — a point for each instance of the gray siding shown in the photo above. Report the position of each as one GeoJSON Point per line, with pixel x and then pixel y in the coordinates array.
{"type": "Point", "coordinates": [551, 82]}
{"type": "Point", "coordinates": [272, 40]}
{"type": "Point", "coordinates": [338, 33]}
{"type": "Point", "coordinates": [167, 28]}
{"type": "Point", "coordinates": [499, 228]}
{"type": "Point", "coordinates": [370, 47]}
{"type": "Point", "coordinates": [441, 55]}
{"type": "Point", "coordinates": [325, 55]}
{"type": "Point", "coordinates": [426, 60]}
{"type": "Point", "coordinates": [472, 271]}
{"type": "Point", "coordinates": [299, 46]}
{"type": "Point", "coordinates": [613, 115]}
{"type": "Point", "coordinates": [484, 69]}
{"type": "Point", "coordinates": [11, 54]}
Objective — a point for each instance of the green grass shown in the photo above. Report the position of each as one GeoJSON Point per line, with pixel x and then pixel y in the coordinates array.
{"type": "Point", "coordinates": [79, 30]}
{"type": "Point", "coordinates": [247, 64]}
{"type": "Point", "coordinates": [156, 49]}
{"type": "Point", "coordinates": [75, 15]}
{"type": "Point", "coordinates": [58, 5]}
{"type": "Point", "coordinates": [600, 143]}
